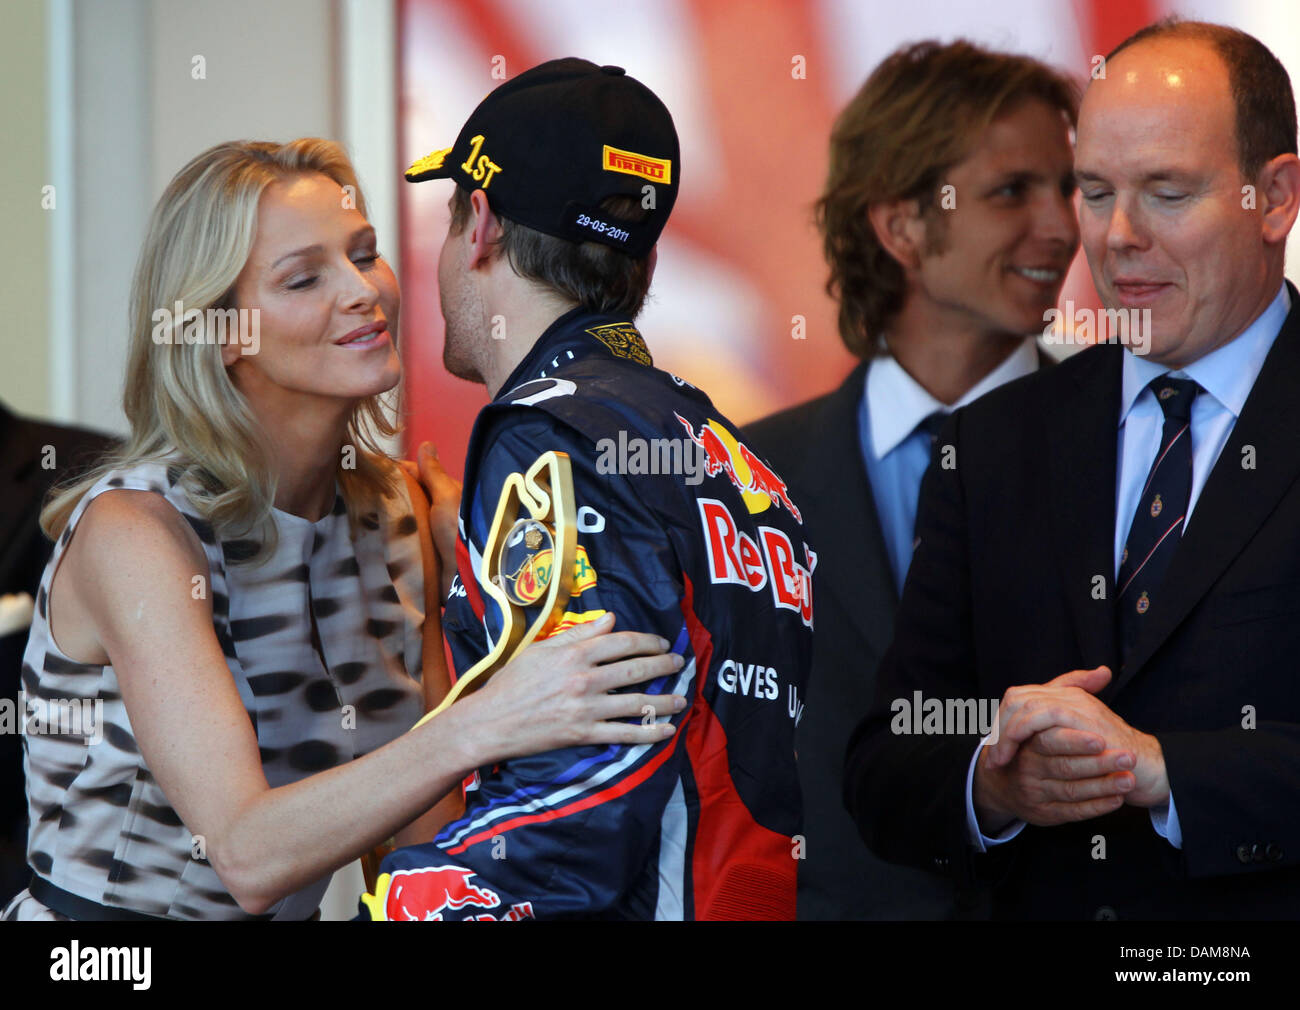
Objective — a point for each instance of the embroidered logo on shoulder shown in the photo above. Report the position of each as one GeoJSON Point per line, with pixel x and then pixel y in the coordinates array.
{"type": "Point", "coordinates": [631, 163]}
{"type": "Point", "coordinates": [624, 341]}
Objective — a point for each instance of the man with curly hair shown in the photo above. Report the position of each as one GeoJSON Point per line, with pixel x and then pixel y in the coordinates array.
{"type": "Point", "coordinates": [948, 227]}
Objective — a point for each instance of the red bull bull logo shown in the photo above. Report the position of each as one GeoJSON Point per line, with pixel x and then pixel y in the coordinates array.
{"type": "Point", "coordinates": [426, 894]}
{"type": "Point", "coordinates": [723, 453]}
{"type": "Point", "coordinates": [763, 478]}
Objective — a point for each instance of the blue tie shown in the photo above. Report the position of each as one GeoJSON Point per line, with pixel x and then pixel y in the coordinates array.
{"type": "Point", "coordinates": [931, 424]}
{"type": "Point", "coordinates": [1157, 524]}
{"type": "Point", "coordinates": [929, 427]}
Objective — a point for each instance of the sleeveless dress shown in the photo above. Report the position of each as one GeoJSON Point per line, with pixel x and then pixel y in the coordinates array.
{"type": "Point", "coordinates": [100, 826]}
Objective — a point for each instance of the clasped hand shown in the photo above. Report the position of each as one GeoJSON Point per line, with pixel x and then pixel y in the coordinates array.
{"type": "Point", "coordinates": [1062, 755]}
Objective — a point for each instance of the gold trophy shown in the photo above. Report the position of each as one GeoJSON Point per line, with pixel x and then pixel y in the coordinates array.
{"type": "Point", "coordinates": [527, 562]}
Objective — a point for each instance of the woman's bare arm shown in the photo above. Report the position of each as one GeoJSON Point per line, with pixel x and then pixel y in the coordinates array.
{"type": "Point", "coordinates": [133, 563]}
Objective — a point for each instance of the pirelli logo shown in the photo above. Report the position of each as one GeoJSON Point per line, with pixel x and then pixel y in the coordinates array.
{"type": "Point", "coordinates": [654, 169]}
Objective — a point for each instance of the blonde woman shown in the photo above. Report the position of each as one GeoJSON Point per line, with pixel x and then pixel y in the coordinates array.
{"type": "Point", "coordinates": [242, 588]}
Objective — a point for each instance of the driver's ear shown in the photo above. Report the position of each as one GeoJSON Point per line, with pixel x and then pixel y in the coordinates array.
{"type": "Point", "coordinates": [484, 229]}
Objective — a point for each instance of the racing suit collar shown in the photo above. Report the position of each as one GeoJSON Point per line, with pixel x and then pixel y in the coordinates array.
{"type": "Point", "coordinates": [577, 334]}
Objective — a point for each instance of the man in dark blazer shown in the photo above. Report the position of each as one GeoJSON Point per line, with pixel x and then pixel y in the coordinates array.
{"type": "Point", "coordinates": [1112, 547]}
{"type": "Point", "coordinates": [33, 456]}
{"type": "Point", "coordinates": [946, 248]}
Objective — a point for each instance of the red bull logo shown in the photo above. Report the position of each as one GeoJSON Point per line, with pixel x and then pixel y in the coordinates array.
{"type": "Point", "coordinates": [764, 480]}
{"type": "Point", "coordinates": [723, 453]}
{"type": "Point", "coordinates": [426, 893]}
{"type": "Point", "coordinates": [734, 558]}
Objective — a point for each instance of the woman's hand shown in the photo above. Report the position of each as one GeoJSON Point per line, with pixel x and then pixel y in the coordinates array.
{"type": "Point", "coordinates": [444, 513]}
{"type": "Point", "coordinates": [556, 694]}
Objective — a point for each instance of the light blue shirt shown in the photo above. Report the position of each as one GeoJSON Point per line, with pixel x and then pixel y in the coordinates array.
{"type": "Point", "coordinates": [896, 454]}
{"type": "Point", "coordinates": [1226, 376]}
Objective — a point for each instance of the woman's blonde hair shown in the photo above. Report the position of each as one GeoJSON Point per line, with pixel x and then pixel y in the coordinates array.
{"type": "Point", "coordinates": [178, 398]}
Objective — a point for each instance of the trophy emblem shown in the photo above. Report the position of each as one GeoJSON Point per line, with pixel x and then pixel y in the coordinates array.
{"type": "Point", "coordinates": [528, 561]}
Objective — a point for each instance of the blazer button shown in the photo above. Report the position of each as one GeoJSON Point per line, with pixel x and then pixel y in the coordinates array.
{"type": "Point", "coordinates": [1106, 914]}
{"type": "Point", "coordinates": [1257, 853]}
{"type": "Point", "coordinates": [1274, 852]}
{"type": "Point", "coordinates": [940, 862]}
{"type": "Point", "coordinates": [1243, 853]}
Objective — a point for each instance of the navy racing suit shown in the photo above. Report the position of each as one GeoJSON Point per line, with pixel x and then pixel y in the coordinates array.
{"type": "Point", "coordinates": [682, 532]}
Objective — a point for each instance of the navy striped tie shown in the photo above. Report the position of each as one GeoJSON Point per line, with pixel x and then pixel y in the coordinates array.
{"type": "Point", "coordinates": [1157, 525]}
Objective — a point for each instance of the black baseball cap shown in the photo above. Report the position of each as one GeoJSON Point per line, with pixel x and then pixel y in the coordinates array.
{"type": "Point", "coordinates": [548, 146]}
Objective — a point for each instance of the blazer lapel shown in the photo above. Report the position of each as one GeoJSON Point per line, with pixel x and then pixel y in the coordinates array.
{"type": "Point", "coordinates": [853, 567]}
{"type": "Point", "coordinates": [1081, 456]}
{"type": "Point", "coordinates": [1236, 500]}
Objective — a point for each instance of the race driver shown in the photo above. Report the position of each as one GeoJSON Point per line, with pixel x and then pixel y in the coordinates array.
{"type": "Point", "coordinates": [565, 177]}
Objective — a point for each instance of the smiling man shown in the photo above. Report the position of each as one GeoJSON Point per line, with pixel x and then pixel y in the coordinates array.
{"type": "Point", "coordinates": [948, 229]}
{"type": "Point", "coordinates": [1116, 551]}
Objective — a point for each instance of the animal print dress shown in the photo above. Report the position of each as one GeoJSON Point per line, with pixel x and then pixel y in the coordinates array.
{"type": "Point", "coordinates": [100, 826]}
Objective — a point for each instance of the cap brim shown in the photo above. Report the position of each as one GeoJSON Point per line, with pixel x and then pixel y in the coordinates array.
{"type": "Point", "coordinates": [429, 167]}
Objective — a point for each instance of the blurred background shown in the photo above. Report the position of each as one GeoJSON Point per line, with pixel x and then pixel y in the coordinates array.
{"type": "Point", "coordinates": [104, 100]}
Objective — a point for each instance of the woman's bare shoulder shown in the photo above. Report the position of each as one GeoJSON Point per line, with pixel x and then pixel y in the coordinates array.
{"type": "Point", "coordinates": [123, 524]}
{"type": "Point", "coordinates": [132, 539]}
{"type": "Point", "coordinates": [132, 555]}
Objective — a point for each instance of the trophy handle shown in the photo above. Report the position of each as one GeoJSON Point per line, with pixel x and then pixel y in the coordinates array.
{"type": "Point", "coordinates": [545, 494]}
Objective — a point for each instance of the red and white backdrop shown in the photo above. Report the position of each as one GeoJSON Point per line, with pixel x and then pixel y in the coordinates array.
{"type": "Point", "coordinates": [740, 259]}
